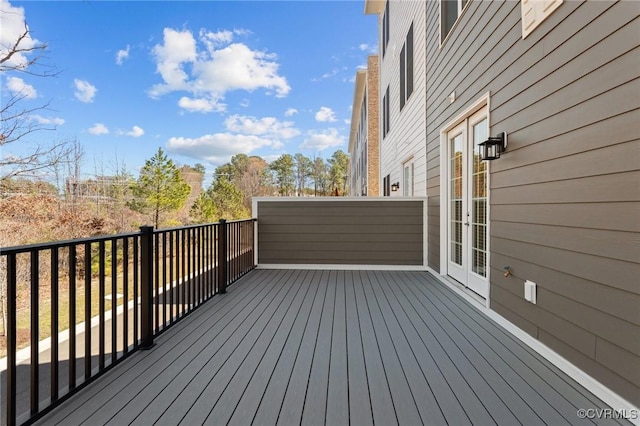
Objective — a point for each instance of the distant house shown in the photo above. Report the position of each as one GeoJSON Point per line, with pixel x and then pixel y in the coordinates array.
{"type": "Point", "coordinates": [364, 144]}
{"type": "Point", "coordinates": [560, 208]}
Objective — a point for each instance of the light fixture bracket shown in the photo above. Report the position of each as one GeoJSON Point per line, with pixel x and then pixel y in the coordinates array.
{"type": "Point", "coordinates": [493, 147]}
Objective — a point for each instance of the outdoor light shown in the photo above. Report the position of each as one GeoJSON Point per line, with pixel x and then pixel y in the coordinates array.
{"type": "Point", "coordinates": [395, 186]}
{"type": "Point", "coordinates": [493, 147]}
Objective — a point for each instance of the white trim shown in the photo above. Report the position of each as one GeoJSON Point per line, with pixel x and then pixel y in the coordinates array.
{"type": "Point", "coordinates": [331, 199]}
{"type": "Point", "coordinates": [342, 267]}
{"type": "Point", "coordinates": [483, 101]}
{"type": "Point", "coordinates": [601, 391]}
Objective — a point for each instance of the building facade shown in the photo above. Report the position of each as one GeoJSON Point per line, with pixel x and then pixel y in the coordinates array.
{"type": "Point", "coordinates": [559, 211]}
{"type": "Point", "coordinates": [402, 81]}
{"type": "Point", "coordinates": [364, 145]}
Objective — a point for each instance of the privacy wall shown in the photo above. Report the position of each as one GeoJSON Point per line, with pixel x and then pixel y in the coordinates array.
{"type": "Point", "coordinates": [340, 231]}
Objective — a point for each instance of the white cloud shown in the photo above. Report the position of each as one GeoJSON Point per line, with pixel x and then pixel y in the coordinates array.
{"type": "Point", "coordinates": [178, 47]}
{"type": "Point", "coordinates": [212, 40]}
{"type": "Point", "coordinates": [266, 126]}
{"type": "Point", "coordinates": [290, 112]}
{"type": "Point", "coordinates": [320, 140]}
{"type": "Point", "coordinates": [85, 91]}
{"type": "Point", "coordinates": [200, 105]}
{"type": "Point", "coordinates": [325, 114]}
{"type": "Point", "coordinates": [56, 121]}
{"type": "Point", "coordinates": [99, 129]}
{"type": "Point", "coordinates": [122, 55]}
{"type": "Point", "coordinates": [13, 27]}
{"type": "Point", "coordinates": [220, 147]}
{"type": "Point", "coordinates": [214, 66]}
{"type": "Point", "coordinates": [135, 132]}
{"type": "Point", "coordinates": [17, 86]}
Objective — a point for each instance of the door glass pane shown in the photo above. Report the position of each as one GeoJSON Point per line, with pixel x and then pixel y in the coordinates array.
{"type": "Point", "coordinates": [479, 202]}
{"type": "Point", "coordinates": [455, 183]}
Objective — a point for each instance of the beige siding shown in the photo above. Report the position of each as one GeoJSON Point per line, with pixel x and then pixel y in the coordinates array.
{"type": "Point", "coordinates": [565, 198]}
{"type": "Point", "coordinates": [406, 138]}
{"type": "Point", "coordinates": [335, 231]}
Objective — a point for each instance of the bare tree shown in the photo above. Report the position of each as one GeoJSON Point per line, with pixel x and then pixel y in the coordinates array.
{"type": "Point", "coordinates": [24, 55]}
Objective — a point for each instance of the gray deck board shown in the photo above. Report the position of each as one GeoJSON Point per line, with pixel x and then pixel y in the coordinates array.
{"type": "Point", "coordinates": [315, 402]}
{"type": "Point", "coordinates": [337, 348]}
{"type": "Point", "coordinates": [403, 400]}
{"type": "Point", "coordinates": [337, 412]}
{"type": "Point", "coordinates": [294, 398]}
{"type": "Point", "coordinates": [359, 400]}
{"type": "Point", "coordinates": [182, 377]}
{"type": "Point", "coordinates": [271, 402]}
{"type": "Point", "coordinates": [422, 394]}
{"type": "Point", "coordinates": [559, 387]}
{"type": "Point", "coordinates": [214, 377]}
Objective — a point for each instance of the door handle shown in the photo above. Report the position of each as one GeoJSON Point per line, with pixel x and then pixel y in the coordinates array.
{"type": "Point", "coordinates": [466, 223]}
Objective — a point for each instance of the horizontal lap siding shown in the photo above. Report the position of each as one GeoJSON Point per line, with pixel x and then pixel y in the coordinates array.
{"type": "Point", "coordinates": [340, 232]}
{"type": "Point", "coordinates": [406, 138]}
{"type": "Point", "coordinates": [565, 198]}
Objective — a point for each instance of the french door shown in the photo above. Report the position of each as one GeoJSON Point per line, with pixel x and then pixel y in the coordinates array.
{"type": "Point", "coordinates": [467, 204]}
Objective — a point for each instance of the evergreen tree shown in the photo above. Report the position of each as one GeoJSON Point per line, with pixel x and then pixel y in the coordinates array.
{"type": "Point", "coordinates": [282, 169]}
{"type": "Point", "coordinates": [160, 187]}
{"type": "Point", "coordinates": [338, 171]}
{"type": "Point", "coordinates": [222, 200]}
{"type": "Point", "coordinates": [303, 170]}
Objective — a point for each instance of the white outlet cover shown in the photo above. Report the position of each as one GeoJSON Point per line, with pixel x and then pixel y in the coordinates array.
{"type": "Point", "coordinates": [530, 291]}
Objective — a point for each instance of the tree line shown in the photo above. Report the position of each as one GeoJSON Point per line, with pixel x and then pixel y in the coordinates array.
{"type": "Point", "coordinates": [244, 177]}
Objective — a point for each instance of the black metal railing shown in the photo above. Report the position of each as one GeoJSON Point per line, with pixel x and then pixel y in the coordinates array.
{"type": "Point", "coordinates": [73, 309]}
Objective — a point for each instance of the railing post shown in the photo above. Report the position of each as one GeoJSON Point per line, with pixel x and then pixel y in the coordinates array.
{"type": "Point", "coordinates": [222, 257]}
{"type": "Point", "coordinates": [11, 340]}
{"type": "Point", "coordinates": [146, 287]}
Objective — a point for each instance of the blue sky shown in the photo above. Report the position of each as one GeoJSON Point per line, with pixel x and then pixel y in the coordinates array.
{"type": "Point", "coordinates": [203, 80]}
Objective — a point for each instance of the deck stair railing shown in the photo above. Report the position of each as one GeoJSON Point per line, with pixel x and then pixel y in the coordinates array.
{"type": "Point", "coordinates": [73, 309]}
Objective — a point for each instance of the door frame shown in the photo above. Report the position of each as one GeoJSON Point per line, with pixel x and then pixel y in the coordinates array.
{"type": "Point", "coordinates": [480, 103]}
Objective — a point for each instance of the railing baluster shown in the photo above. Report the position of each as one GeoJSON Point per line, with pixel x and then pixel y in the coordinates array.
{"type": "Point", "coordinates": [156, 280]}
{"type": "Point", "coordinates": [222, 258]}
{"type": "Point", "coordinates": [101, 304]}
{"type": "Point", "coordinates": [164, 280]}
{"type": "Point", "coordinates": [125, 295]}
{"type": "Point", "coordinates": [12, 284]}
{"type": "Point", "coordinates": [210, 260]}
{"type": "Point", "coordinates": [72, 316]}
{"type": "Point", "coordinates": [54, 324]}
{"type": "Point", "coordinates": [35, 329]}
{"type": "Point", "coordinates": [200, 248]}
{"type": "Point", "coordinates": [114, 300]}
{"type": "Point", "coordinates": [183, 268]}
{"type": "Point", "coordinates": [136, 292]}
{"type": "Point", "coordinates": [172, 280]}
{"type": "Point", "coordinates": [87, 311]}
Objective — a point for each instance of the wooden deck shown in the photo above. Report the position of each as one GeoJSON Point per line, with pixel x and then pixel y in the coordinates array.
{"type": "Point", "coordinates": [333, 347]}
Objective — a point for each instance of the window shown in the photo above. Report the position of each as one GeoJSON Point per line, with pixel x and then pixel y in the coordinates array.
{"type": "Point", "coordinates": [534, 12]}
{"type": "Point", "coordinates": [386, 185]}
{"type": "Point", "coordinates": [385, 29]}
{"type": "Point", "coordinates": [386, 125]}
{"type": "Point", "coordinates": [402, 77]}
{"type": "Point", "coordinates": [450, 10]}
{"type": "Point", "coordinates": [407, 189]}
{"type": "Point", "coordinates": [406, 69]}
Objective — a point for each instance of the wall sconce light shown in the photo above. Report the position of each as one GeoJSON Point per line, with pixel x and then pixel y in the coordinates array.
{"type": "Point", "coordinates": [493, 147]}
{"type": "Point", "coordinates": [395, 186]}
